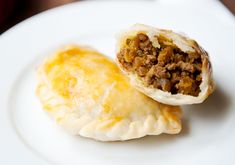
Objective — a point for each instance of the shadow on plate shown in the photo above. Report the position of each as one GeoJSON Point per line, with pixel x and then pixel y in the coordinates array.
{"type": "Point", "coordinates": [215, 108]}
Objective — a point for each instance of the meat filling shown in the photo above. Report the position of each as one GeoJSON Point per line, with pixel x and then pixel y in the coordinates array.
{"type": "Point", "coordinates": [166, 68]}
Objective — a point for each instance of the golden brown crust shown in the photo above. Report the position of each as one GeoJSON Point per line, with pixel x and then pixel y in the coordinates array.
{"type": "Point", "coordinates": [86, 94]}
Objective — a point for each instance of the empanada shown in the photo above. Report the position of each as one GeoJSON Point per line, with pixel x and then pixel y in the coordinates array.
{"type": "Point", "coordinates": [164, 65]}
{"type": "Point", "coordinates": [87, 94]}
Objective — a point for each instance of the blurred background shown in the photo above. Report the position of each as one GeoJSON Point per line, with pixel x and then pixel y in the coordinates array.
{"type": "Point", "coordinates": [14, 11]}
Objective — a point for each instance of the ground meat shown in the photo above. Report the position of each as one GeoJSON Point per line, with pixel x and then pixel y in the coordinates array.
{"type": "Point", "coordinates": [150, 59]}
{"type": "Point", "coordinates": [186, 66]}
{"type": "Point", "coordinates": [175, 77]}
{"type": "Point", "coordinates": [160, 72]}
{"type": "Point", "coordinates": [142, 71]}
{"type": "Point", "coordinates": [178, 57]}
{"type": "Point", "coordinates": [165, 56]}
{"type": "Point", "coordinates": [166, 68]}
{"type": "Point", "coordinates": [165, 84]}
{"type": "Point", "coordinates": [138, 62]}
{"type": "Point", "coordinates": [187, 86]}
{"type": "Point", "coordinates": [171, 66]}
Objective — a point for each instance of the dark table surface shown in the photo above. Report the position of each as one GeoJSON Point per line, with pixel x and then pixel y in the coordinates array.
{"type": "Point", "coordinates": [230, 4]}
{"type": "Point", "coordinates": [15, 11]}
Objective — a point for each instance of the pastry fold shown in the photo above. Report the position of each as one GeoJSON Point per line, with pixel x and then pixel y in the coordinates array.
{"type": "Point", "coordinates": [86, 93]}
{"type": "Point", "coordinates": [168, 67]}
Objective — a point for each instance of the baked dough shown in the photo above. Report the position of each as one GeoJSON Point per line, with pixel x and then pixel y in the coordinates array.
{"type": "Point", "coordinates": [165, 79]}
{"type": "Point", "coordinates": [86, 93]}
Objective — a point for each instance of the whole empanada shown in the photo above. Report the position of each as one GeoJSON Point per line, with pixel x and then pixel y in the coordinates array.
{"type": "Point", "coordinates": [165, 65]}
{"type": "Point", "coordinates": [86, 93]}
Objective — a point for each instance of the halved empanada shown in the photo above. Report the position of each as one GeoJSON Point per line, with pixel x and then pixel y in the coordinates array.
{"type": "Point", "coordinates": [166, 66]}
{"type": "Point", "coordinates": [88, 95]}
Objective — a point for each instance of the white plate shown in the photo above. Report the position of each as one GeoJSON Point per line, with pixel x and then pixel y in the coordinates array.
{"type": "Point", "coordinates": [28, 136]}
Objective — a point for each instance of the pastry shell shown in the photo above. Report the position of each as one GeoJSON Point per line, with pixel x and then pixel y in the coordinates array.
{"type": "Point", "coordinates": [86, 93]}
{"type": "Point", "coordinates": [185, 44]}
